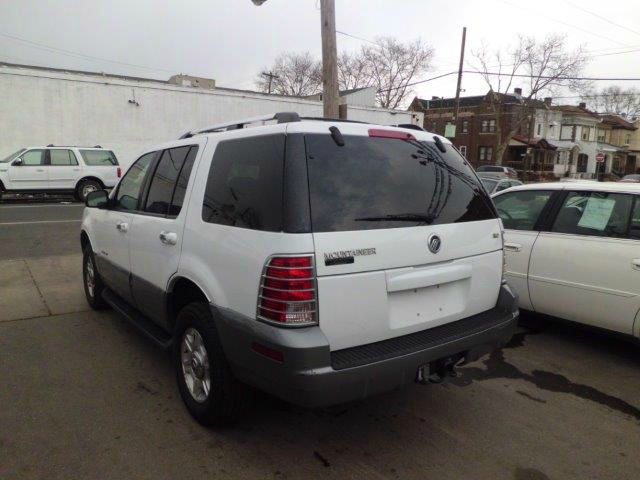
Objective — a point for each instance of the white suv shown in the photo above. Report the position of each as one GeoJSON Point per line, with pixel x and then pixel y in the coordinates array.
{"type": "Point", "coordinates": [59, 169]}
{"type": "Point", "coordinates": [320, 261]}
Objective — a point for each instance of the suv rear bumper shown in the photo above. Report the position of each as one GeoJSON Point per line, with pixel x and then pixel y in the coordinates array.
{"type": "Point", "coordinates": [313, 376]}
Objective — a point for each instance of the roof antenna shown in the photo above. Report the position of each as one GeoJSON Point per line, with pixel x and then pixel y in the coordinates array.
{"type": "Point", "coordinates": [439, 144]}
{"type": "Point", "coordinates": [336, 134]}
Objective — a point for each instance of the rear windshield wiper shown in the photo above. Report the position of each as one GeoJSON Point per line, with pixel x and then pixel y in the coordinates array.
{"type": "Point", "coordinates": [400, 217]}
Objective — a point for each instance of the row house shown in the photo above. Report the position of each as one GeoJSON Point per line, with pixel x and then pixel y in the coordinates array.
{"type": "Point", "coordinates": [550, 140]}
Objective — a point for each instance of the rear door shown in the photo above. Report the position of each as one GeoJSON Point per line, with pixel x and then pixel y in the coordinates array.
{"type": "Point", "coordinates": [405, 237]}
{"type": "Point", "coordinates": [587, 268]}
{"type": "Point", "coordinates": [31, 173]}
{"type": "Point", "coordinates": [520, 211]}
{"type": "Point", "coordinates": [156, 235]}
{"type": "Point", "coordinates": [63, 167]}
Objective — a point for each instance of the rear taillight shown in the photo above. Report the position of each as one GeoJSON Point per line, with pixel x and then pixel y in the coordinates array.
{"type": "Point", "coordinates": [288, 293]}
{"type": "Point", "coordinates": [119, 172]}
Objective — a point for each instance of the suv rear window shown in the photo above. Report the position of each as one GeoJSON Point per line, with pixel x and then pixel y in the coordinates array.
{"type": "Point", "coordinates": [97, 158]}
{"type": "Point", "coordinates": [372, 183]}
{"type": "Point", "coordinates": [244, 188]}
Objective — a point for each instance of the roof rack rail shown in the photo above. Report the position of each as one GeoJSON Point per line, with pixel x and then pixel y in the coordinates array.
{"type": "Point", "coordinates": [74, 146]}
{"type": "Point", "coordinates": [410, 126]}
{"type": "Point", "coordinates": [280, 117]}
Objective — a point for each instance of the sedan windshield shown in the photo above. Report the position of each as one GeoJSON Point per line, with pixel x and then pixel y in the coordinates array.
{"type": "Point", "coordinates": [12, 156]}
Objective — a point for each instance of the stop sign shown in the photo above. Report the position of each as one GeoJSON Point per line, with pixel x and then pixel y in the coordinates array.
{"type": "Point", "coordinates": [600, 157]}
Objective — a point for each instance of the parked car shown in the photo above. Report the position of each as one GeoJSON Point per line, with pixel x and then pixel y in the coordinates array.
{"type": "Point", "coordinates": [59, 169]}
{"type": "Point", "coordinates": [631, 178]}
{"type": "Point", "coordinates": [573, 251]}
{"type": "Point", "coordinates": [320, 261]}
{"type": "Point", "coordinates": [498, 170]}
{"type": "Point", "coordinates": [496, 184]}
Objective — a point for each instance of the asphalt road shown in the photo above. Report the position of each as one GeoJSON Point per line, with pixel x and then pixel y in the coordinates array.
{"type": "Point", "coordinates": [35, 230]}
{"type": "Point", "coordinates": [83, 395]}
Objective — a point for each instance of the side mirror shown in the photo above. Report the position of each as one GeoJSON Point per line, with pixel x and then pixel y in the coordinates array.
{"type": "Point", "coordinates": [17, 162]}
{"type": "Point", "coordinates": [97, 199]}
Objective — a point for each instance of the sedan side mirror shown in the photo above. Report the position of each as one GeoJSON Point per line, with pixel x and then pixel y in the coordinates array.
{"type": "Point", "coordinates": [97, 199]}
{"type": "Point", "coordinates": [17, 162]}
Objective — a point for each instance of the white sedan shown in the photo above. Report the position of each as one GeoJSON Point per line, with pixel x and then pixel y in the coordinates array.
{"type": "Point", "coordinates": [573, 251]}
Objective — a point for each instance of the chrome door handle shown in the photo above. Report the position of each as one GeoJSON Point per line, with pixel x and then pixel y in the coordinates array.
{"type": "Point", "coordinates": [39, 170]}
{"type": "Point", "coordinates": [168, 238]}
{"type": "Point", "coordinates": [635, 263]}
{"type": "Point", "coordinates": [76, 169]}
{"type": "Point", "coordinates": [512, 247]}
{"type": "Point", "coordinates": [123, 227]}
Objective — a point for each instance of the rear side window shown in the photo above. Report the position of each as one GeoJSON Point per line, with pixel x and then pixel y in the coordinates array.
{"type": "Point", "coordinates": [634, 228]}
{"type": "Point", "coordinates": [160, 199]}
{"type": "Point", "coordinates": [373, 183]}
{"type": "Point", "coordinates": [594, 213]}
{"type": "Point", "coordinates": [244, 187]}
{"type": "Point", "coordinates": [99, 158]}
{"type": "Point", "coordinates": [521, 210]}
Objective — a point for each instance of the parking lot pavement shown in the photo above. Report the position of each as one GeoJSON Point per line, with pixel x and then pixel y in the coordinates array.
{"type": "Point", "coordinates": [35, 230]}
{"type": "Point", "coordinates": [84, 396]}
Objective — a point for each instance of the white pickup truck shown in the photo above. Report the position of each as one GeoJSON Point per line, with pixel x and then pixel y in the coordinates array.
{"type": "Point", "coordinates": [60, 169]}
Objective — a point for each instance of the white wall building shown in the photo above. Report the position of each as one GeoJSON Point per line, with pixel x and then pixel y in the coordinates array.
{"type": "Point", "coordinates": [577, 144]}
{"type": "Point", "coordinates": [41, 106]}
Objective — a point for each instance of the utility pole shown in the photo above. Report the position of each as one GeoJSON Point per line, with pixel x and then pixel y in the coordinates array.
{"type": "Point", "coordinates": [271, 76]}
{"type": "Point", "coordinates": [464, 39]}
{"type": "Point", "coordinates": [329, 58]}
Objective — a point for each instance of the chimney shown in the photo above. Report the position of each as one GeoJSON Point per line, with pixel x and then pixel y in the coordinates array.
{"type": "Point", "coordinates": [517, 92]}
{"type": "Point", "coordinates": [547, 101]}
{"type": "Point", "coordinates": [583, 105]}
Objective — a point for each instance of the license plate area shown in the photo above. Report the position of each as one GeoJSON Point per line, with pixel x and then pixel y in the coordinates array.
{"type": "Point", "coordinates": [429, 306]}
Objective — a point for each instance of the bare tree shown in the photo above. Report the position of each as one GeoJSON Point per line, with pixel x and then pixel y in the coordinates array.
{"type": "Point", "coordinates": [389, 65]}
{"type": "Point", "coordinates": [297, 74]}
{"type": "Point", "coordinates": [614, 99]}
{"type": "Point", "coordinates": [540, 66]}
{"type": "Point", "coordinates": [353, 71]}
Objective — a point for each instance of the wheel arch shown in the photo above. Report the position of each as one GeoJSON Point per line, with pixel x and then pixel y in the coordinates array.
{"type": "Point", "coordinates": [180, 292]}
{"type": "Point", "coordinates": [84, 240]}
{"type": "Point", "coordinates": [88, 177]}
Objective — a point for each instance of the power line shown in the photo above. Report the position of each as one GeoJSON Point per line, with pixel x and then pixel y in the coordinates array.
{"type": "Point", "coordinates": [71, 53]}
{"type": "Point", "coordinates": [553, 77]}
{"type": "Point", "coordinates": [357, 38]}
{"type": "Point", "coordinates": [553, 19]}
{"type": "Point", "coordinates": [602, 18]}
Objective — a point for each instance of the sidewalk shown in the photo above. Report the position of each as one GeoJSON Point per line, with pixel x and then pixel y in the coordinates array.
{"type": "Point", "coordinates": [37, 287]}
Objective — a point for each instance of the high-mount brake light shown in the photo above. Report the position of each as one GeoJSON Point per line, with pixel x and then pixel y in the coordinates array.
{"type": "Point", "coordinates": [288, 294]}
{"type": "Point", "coordinates": [119, 172]}
{"type": "Point", "coordinates": [381, 133]}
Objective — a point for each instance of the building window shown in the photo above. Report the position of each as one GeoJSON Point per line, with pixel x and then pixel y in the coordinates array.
{"type": "Point", "coordinates": [627, 139]}
{"type": "Point", "coordinates": [488, 126]}
{"type": "Point", "coordinates": [463, 150]}
{"type": "Point", "coordinates": [586, 131]}
{"type": "Point", "coordinates": [601, 135]}
{"type": "Point", "coordinates": [539, 129]}
{"type": "Point", "coordinates": [485, 154]}
{"type": "Point", "coordinates": [566, 132]}
{"type": "Point", "coordinates": [465, 126]}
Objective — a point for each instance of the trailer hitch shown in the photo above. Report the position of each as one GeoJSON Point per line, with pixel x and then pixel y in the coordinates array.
{"type": "Point", "coordinates": [439, 371]}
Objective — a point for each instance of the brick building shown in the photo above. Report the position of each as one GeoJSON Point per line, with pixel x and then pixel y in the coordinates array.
{"type": "Point", "coordinates": [483, 120]}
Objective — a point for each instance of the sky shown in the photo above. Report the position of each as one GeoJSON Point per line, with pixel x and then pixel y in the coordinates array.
{"type": "Point", "coordinates": [232, 40]}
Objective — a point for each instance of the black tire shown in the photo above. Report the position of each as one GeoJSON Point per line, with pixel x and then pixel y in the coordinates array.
{"type": "Point", "coordinates": [85, 186]}
{"type": "Point", "coordinates": [221, 404]}
{"type": "Point", "coordinates": [93, 295]}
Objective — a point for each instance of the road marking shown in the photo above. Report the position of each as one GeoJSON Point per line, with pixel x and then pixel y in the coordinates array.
{"type": "Point", "coordinates": [41, 221]}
